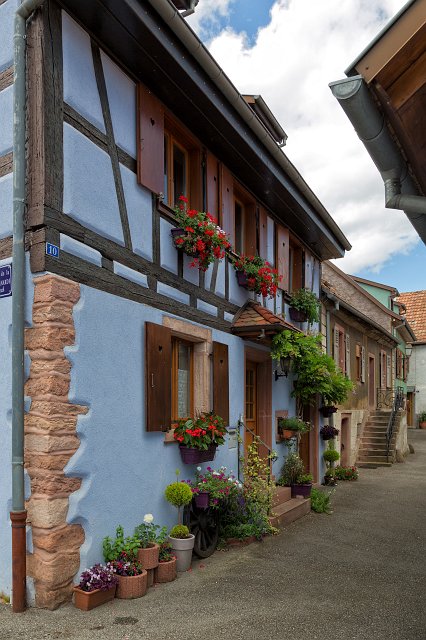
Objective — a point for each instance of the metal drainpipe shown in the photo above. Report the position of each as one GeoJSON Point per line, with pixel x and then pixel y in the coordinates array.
{"type": "Point", "coordinates": [18, 514]}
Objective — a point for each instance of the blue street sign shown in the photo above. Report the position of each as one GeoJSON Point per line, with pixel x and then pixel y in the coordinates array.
{"type": "Point", "coordinates": [52, 250]}
{"type": "Point", "coordinates": [5, 280]}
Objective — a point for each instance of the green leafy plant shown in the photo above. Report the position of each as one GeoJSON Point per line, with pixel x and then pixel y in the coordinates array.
{"type": "Point", "coordinates": [261, 277]}
{"type": "Point", "coordinates": [166, 553]}
{"type": "Point", "coordinates": [292, 470]}
{"type": "Point", "coordinates": [320, 500]}
{"type": "Point", "coordinates": [179, 531]}
{"type": "Point", "coordinates": [201, 432]}
{"type": "Point", "coordinates": [258, 488]}
{"type": "Point", "coordinates": [178, 494]}
{"type": "Point", "coordinates": [219, 484]}
{"type": "Point", "coordinates": [306, 301]}
{"type": "Point", "coordinates": [422, 416]}
{"type": "Point", "coordinates": [331, 455]}
{"type": "Point", "coordinates": [346, 473]}
{"type": "Point", "coordinates": [294, 424]}
{"type": "Point", "coordinates": [240, 531]}
{"type": "Point", "coordinates": [114, 549]}
{"type": "Point", "coordinates": [306, 478]}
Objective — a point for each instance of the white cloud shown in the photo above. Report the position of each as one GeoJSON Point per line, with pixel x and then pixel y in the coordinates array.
{"type": "Point", "coordinates": [306, 45]}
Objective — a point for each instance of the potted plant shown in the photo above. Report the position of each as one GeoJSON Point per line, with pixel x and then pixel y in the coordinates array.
{"type": "Point", "coordinates": [199, 437]}
{"type": "Point", "coordinates": [213, 487]}
{"type": "Point", "coordinates": [149, 549]}
{"type": "Point", "coordinates": [132, 578]}
{"type": "Point", "coordinates": [346, 473]}
{"type": "Point", "coordinates": [330, 477]}
{"type": "Point", "coordinates": [166, 569]}
{"type": "Point", "coordinates": [303, 486]}
{"type": "Point", "coordinates": [292, 427]}
{"type": "Point", "coordinates": [256, 274]}
{"type": "Point", "coordinates": [422, 420]}
{"type": "Point", "coordinates": [330, 456]}
{"type": "Point", "coordinates": [97, 585]}
{"type": "Point", "coordinates": [179, 494]}
{"type": "Point", "coordinates": [199, 235]}
{"type": "Point", "coordinates": [304, 306]}
{"type": "Point", "coordinates": [292, 472]}
{"type": "Point", "coordinates": [182, 544]}
{"type": "Point", "coordinates": [328, 432]}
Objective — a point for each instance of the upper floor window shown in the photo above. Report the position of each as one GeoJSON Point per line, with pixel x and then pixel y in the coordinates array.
{"type": "Point", "coordinates": [295, 267]}
{"type": "Point", "coordinates": [176, 170]}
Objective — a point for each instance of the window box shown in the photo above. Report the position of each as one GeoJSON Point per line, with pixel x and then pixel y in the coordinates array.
{"type": "Point", "coordinates": [191, 455]}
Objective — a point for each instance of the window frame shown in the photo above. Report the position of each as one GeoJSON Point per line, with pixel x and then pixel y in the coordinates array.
{"type": "Point", "coordinates": [176, 341]}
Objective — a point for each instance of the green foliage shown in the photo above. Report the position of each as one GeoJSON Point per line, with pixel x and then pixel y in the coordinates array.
{"type": "Point", "coordinates": [422, 416]}
{"type": "Point", "coordinates": [258, 488]}
{"type": "Point", "coordinates": [346, 473]}
{"type": "Point", "coordinates": [201, 432]}
{"type": "Point", "coordinates": [294, 424]}
{"type": "Point", "coordinates": [306, 301]}
{"type": "Point", "coordinates": [178, 494]}
{"type": "Point", "coordinates": [179, 531]}
{"type": "Point", "coordinates": [331, 455]}
{"type": "Point", "coordinates": [316, 372]}
{"type": "Point", "coordinates": [112, 549]}
{"type": "Point", "coordinates": [292, 470]}
{"type": "Point", "coordinates": [320, 500]}
{"type": "Point", "coordinates": [306, 478]}
{"type": "Point", "coordinates": [240, 531]}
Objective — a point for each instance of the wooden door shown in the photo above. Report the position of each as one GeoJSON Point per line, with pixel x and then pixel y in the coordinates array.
{"type": "Point", "coordinates": [371, 382]}
{"type": "Point", "coordinates": [304, 443]}
{"type": "Point", "coordinates": [250, 403]}
{"type": "Point", "coordinates": [410, 408]}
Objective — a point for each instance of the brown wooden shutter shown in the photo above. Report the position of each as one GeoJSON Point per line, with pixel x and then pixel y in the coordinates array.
{"type": "Point", "coordinates": [362, 364]}
{"type": "Point", "coordinates": [158, 369]}
{"type": "Point", "coordinates": [227, 202]}
{"type": "Point", "coordinates": [263, 232]}
{"type": "Point", "coordinates": [195, 179]}
{"type": "Point", "coordinates": [221, 380]}
{"type": "Point", "coordinates": [212, 171]}
{"type": "Point", "coordinates": [150, 140]}
{"type": "Point", "coordinates": [250, 229]}
{"type": "Point", "coordinates": [348, 356]}
{"type": "Point", "coordinates": [283, 256]}
{"type": "Point", "coordinates": [336, 349]}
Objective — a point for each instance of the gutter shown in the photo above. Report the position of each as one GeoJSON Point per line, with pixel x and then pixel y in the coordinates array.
{"type": "Point", "coordinates": [18, 514]}
{"type": "Point", "coordinates": [401, 191]}
{"type": "Point", "coordinates": [181, 29]}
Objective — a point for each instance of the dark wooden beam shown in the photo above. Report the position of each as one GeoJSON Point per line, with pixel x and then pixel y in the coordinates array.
{"type": "Point", "coordinates": [6, 78]}
{"type": "Point", "coordinates": [6, 164]}
{"type": "Point", "coordinates": [6, 248]}
{"type": "Point", "coordinates": [112, 148]}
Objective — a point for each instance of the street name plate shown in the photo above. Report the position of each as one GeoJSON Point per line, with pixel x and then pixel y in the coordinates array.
{"type": "Point", "coordinates": [5, 280]}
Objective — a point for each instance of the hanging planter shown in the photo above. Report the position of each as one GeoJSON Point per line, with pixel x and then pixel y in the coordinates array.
{"type": "Point", "coordinates": [192, 455]}
{"type": "Point", "coordinates": [199, 438]}
{"type": "Point", "coordinates": [256, 274]}
{"type": "Point", "coordinates": [297, 316]}
{"type": "Point", "coordinates": [242, 279]}
{"type": "Point", "coordinates": [327, 411]}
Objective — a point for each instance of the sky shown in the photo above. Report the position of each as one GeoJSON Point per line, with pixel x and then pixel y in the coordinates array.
{"type": "Point", "coordinates": [288, 51]}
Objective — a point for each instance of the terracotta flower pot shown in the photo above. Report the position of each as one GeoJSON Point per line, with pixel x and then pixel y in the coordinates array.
{"type": "Point", "coordinates": [132, 586]}
{"type": "Point", "coordinates": [166, 571]}
{"type": "Point", "coordinates": [287, 434]}
{"type": "Point", "coordinates": [148, 556]}
{"type": "Point", "coordinates": [87, 600]}
{"type": "Point", "coordinates": [422, 425]}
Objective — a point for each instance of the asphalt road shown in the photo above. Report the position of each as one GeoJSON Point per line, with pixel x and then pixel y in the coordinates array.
{"type": "Point", "coordinates": [357, 574]}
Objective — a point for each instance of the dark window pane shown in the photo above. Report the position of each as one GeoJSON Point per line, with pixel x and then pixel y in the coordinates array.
{"type": "Point", "coordinates": [179, 173]}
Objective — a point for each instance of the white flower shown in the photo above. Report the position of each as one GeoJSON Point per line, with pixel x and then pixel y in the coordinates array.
{"type": "Point", "coordinates": [148, 518]}
{"type": "Point", "coordinates": [198, 468]}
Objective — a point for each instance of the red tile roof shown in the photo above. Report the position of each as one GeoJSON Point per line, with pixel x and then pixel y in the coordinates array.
{"type": "Point", "coordinates": [253, 316]}
{"type": "Point", "coordinates": [415, 303]}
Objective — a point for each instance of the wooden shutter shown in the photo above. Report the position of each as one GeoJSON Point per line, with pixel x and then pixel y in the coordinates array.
{"type": "Point", "coordinates": [336, 345]}
{"type": "Point", "coordinates": [221, 380]}
{"type": "Point", "coordinates": [388, 370]}
{"type": "Point", "coordinates": [196, 179]}
{"type": "Point", "coordinates": [362, 364]}
{"type": "Point", "coordinates": [283, 256]}
{"type": "Point", "coordinates": [250, 229]}
{"type": "Point", "coordinates": [227, 202]}
{"type": "Point", "coordinates": [212, 182]}
{"type": "Point", "coordinates": [263, 233]}
{"type": "Point", "coordinates": [158, 368]}
{"type": "Point", "coordinates": [348, 356]}
{"type": "Point", "coordinates": [150, 141]}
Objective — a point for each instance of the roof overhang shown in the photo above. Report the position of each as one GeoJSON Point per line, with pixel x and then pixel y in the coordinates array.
{"type": "Point", "coordinates": [162, 52]}
{"type": "Point", "coordinates": [257, 323]}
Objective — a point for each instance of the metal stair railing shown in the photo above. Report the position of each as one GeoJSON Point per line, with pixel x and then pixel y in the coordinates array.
{"type": "Point", "coordinates": [398, 403]}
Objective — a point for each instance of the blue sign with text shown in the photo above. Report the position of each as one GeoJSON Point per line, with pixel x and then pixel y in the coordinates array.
{"type": "Point", "coordinates": [52, 250]}
{"type": "Point", "coordinates": [5, 280]}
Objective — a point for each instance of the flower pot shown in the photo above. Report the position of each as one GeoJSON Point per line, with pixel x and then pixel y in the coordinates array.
{"type": "Point", "coordinates": [87, 600]}
{"type": "Point", "coordinates": [182, 549]}
{"type": "Point", "coordinates": [148, 556]}
{"type": "Point", "coordinates": [132, 586]}
{"type": "Point", "coordinates": [297, 316]}
{"type": "Point", "coordinates": [166, 571]}
{"type": "Point", "coordinates": [422, 425]}
{"type": "Point", "coordinates": [191, 455]}
{"type": "Point", "coordinates": [242, 278]}
{"type": "Point", "coordinates": [202, 500]}
{"type": "Point", "coordinates": [328, 410]}
{"type": "Point", "coordinates": [301, 490]}
{"type": "Point", "coordinates": [287, 434]}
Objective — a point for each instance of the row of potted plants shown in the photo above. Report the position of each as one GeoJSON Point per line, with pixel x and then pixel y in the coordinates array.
{"type": "Point", "coordinates": [201, 238]}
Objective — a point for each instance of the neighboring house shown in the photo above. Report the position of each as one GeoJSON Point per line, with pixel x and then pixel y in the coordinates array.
{"type": "Point", "coordinates": [127, 110]}
{"type": "Point", "coordinates": [414, 303]}
{"type": "Point", "coordinates": [402, 330]}
{"type": "Point", "coordinates": [360, 337]}
{"type": "Point", "coordinates": [383, 97]}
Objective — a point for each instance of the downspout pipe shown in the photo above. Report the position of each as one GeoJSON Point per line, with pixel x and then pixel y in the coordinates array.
{"type": "Point", "coordinates": [18, 514]}
{"type": "Point", "coordinates": [401, 192]}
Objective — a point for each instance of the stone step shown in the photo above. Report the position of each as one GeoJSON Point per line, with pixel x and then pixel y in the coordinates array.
{"type": "Point", "coordinates": [281, 495]}
{"type": "Point", "coordinates": [291, 510]}
{"type": "Point", "coordinates": [372, 452]}
{"type": "Point", "coordinates": [375, 440]}
{"type": "Point", "coordinates": [372, 465]}
{"type": "Point", "coordinates": [375, 431]}
{"type": "Point", "coordinates": [376, 425]}
{"type": "Point", "coordinates": [373, 458]}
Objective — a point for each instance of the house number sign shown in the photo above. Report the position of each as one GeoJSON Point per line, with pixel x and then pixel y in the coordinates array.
{"type": "Point", "coordinates": [5, 280]}
{"type": "Point", "coordinates": [52, 250]}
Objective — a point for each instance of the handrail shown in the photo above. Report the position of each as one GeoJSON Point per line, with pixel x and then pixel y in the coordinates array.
{"type": "Point", "coordinates": [260, 441]}
{"type": "Point", "coordinates": [397, 404]}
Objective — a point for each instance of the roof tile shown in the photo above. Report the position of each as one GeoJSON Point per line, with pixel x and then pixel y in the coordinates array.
{"type": "Point", "coordinates": [415, 303]}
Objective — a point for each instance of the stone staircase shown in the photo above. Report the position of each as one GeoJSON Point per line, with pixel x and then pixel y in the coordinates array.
{"type": "Point", "coordinates": [286, 509]}
{"type": "Point", "coordinates": [372, 450]}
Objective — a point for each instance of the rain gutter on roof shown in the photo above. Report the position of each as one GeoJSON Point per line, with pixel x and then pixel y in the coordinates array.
{"type": "Point", "coordinates": [369, 123]}
{"type": "Point", "coordinates": [181, 29]}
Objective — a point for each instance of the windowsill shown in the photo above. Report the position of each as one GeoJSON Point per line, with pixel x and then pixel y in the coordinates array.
{"type": "Point", "coordinates": [168, 437]}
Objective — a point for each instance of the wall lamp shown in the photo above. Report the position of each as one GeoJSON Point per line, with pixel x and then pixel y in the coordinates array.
{"type": "Point", "coordinates": [284, 368]}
